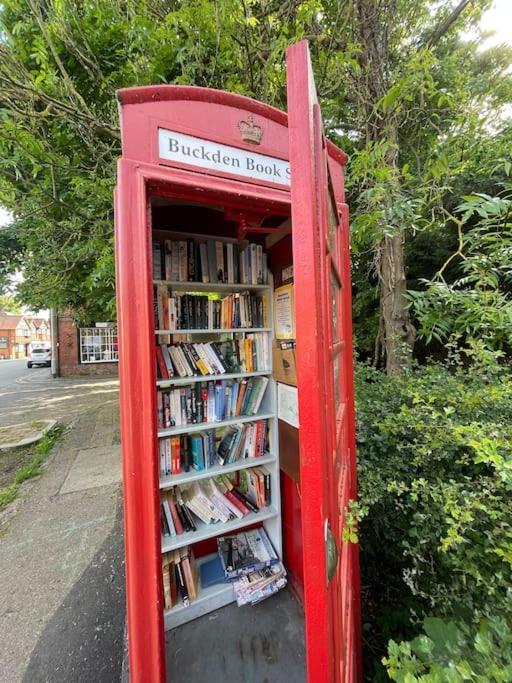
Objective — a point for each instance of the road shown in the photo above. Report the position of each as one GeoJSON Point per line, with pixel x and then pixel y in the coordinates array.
{"type": "Point", "coordinates": [28, 394]}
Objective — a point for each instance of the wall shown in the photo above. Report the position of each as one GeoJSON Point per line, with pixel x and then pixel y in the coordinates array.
{"type": "Point", "coordinates": [69, 354]}
{"type": "Point", "coordinates": [9, 351]}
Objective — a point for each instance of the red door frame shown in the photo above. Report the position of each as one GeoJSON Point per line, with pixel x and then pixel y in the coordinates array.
{"type": "Point", "coordinates": [134, 283]}
{"type": "Point", "coordinates": [136, 362]}
{"type": "Point", "coordinates": [326, 397]}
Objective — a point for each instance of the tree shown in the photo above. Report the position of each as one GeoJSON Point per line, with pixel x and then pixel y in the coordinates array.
{"type": "Point", "coordinates": [395, 83]}
{"type": "Point", "coordinates": [9, 304]}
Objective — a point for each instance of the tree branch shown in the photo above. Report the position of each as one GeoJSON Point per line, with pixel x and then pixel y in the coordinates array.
{"type": "Point", "coordinates": [445, 25]}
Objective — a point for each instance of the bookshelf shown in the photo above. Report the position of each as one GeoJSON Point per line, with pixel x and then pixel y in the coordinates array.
{"type": "Point", "coordinates": [203, 426]}
{"type": "Point", "coordinates": [216, 330]}
{"type": "Point", "coordinates": [194, 475]}
{"type": "Point", "coordinates": [206, 531]}
{"type": "Point", "coordinates": [209, 599]}
{"type": "Point", "coordinates": [219, 595]}
{"type": "Point", "coordinates": [181, 381]}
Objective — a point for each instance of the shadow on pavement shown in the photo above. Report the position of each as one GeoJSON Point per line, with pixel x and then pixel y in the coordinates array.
{"type": "Point", "coordinates": [83, 641]}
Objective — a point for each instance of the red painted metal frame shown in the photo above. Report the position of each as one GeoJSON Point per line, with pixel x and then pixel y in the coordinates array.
{"type": "Point", "coordinates": [326, 411]}
{"type": "Point", "coordinates": [140, 175]}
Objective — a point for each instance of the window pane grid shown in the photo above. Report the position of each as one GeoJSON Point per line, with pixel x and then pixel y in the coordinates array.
{"type": "Point", "coordinates": [98, 344]}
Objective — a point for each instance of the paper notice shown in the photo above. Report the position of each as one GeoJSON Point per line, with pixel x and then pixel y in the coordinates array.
{"type": "Point", "coordinates": [284, 312]}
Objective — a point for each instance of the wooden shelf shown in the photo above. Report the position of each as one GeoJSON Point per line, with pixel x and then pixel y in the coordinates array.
{"type": "Point", "coordinates": [194, 475]}
{"type": "Point", "coordinates": [216, 330]}
{"type": "Point", "coordinates": [208, 599]}
{"type": "Point", "coordinates": [180, 381]}
{"type": "Point", "coordinates": [220, 287]}
{"type": "Point", "coordinates": [204, 426]}
{"type": "Point", "coordinates": [205, 531]}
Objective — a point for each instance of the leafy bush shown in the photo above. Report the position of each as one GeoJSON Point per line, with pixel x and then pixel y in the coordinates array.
{"type": "Point", "coordinates": [435, 478]}
{"type": "Point", "coordinates": [455, 652]}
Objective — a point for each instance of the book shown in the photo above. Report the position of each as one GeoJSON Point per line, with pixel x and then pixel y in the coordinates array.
{"type": "Point", "coordinates": [205, 271]}
{"type": "Point", "coordinates": [212, 572]}
{"type": "Point", "coordinates": [246, 552]}
{"type": "Point", "coordinates": [259, 585]}
{"type": "Point", "coordinates": [157, 260]}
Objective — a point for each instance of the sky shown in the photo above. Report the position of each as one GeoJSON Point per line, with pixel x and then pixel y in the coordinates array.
{"type": "Point", "coordinates": [498, 19]}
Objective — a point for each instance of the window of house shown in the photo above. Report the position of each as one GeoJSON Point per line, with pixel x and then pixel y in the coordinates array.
{"type": "Point", "coordinates": [4, 343]}
{"type": "Point", "coordinates": [98, 344]}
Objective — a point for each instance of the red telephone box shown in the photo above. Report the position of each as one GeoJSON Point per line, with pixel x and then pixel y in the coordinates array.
{"type": "Point", "coordinates": [199, 164]}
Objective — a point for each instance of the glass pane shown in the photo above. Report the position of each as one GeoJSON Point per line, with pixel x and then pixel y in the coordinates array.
{"type": "Point", "coordinates": [333, 224]}
{"type": "Point", "coordinates": [335, 313]}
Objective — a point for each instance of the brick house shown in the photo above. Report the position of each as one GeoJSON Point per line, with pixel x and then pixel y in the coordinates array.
{"type": "Point", "coordinates": [85, 350]}
{"type": "Point", "coordinates": [16, 334]}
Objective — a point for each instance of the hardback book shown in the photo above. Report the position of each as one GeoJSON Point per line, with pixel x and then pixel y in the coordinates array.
{"type": "Point", "coordinates": [212, 572]}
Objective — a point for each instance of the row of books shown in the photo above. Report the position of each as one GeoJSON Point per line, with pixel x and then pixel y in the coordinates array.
{"type": "Point", "coordinates": [214, 500]}
{"type": "Point", "coordinates": [201, 451]}
{"type": "Point", "coordinates": [179, 311]}
{"type": "Point", "coordinates": [209, 402]}
{"type": "Point", "coordinates": [213, 358]}
{"type": "Point", "coordinates": [214, 261]}
{"type": "Point", "coordinates": [180, 577]}
{"type": "Point", "coordinates": [246, 552]}
{"type": "Point", "coordinates": [246, 559]}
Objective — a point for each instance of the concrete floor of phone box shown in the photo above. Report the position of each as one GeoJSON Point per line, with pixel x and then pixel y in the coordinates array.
{"type": "Point", "coordinates": [259, 644]}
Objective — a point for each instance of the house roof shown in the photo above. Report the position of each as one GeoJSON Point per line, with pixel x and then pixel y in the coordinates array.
{"type": "Point", "coordinates": [39, 321]}
{"type": "Point", "coordinates": [9, 322]}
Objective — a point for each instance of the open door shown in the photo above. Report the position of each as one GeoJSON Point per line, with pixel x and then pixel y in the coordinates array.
{"type": "Point", "coordinates": [325, 387]}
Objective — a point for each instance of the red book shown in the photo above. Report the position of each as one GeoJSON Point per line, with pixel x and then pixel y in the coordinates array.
{"type": "Point", "coordinates": [259, 438]}
{"type": "Point", "coordinates": [174, 513]}
{"type": "Point", "coordinates": [175, 455]}
{"type": "Point", "coordinates": [161, 363]}
{"type": "Point", "coordinates": [236, 501]}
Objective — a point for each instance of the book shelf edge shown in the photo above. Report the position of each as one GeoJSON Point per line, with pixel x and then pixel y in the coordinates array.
{"type": "Point", "coordinates": [215, 471]}
{"type": "Point", "coordinates": [207, 531]}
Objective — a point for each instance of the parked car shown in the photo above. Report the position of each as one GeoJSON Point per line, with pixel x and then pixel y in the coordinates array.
{"type": "Point", "coordinates": [39, 357]}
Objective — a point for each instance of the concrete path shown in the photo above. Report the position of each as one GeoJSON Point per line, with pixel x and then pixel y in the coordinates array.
{"type": "Point", "coordinates": [61, 551]}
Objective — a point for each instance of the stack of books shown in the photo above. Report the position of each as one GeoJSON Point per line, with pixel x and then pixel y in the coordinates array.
{"type": "Point", "coordinates": [181, 311]}
{"type": "Point", "coordinates": [249, 559]}
{"type": "Point", "coordinates": [204, 450]}
{"type": "Point", "coordinates": [209, 501]}
{"type": "Point", "coordinates": [189, 260]}
{"type": "Point", "coordinates": [180, 577]}
{"type": "Point", "coordinates": [206, 402]}
{"type": "Point", "coordinates": [213, 358]}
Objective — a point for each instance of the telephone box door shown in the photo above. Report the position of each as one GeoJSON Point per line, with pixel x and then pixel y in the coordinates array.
{"type": "Point", "coordinates": [325, 387]}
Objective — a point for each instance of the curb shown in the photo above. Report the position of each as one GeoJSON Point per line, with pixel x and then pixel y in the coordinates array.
{"type": "Point", "coordinates": [30, 439]}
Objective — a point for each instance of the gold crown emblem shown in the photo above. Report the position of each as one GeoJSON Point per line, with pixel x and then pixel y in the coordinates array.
{"type": "Point", "coordinates": [250, 131]}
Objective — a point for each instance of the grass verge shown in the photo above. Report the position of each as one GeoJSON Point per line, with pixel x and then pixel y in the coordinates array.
{"type": "Point", "coordinates": [31, 468]}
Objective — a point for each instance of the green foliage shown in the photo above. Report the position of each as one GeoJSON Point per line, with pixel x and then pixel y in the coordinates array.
{"type": "Point", "coordinates": [60, 66]}
{"type": "Point", "coordinates": [9, 304]}
{"type": "Point", "coordinates": [435, 480]}
{"type": "Point", "coordinates": [476, 304]}
{"type": "Point", "coordinates": [456, 651]}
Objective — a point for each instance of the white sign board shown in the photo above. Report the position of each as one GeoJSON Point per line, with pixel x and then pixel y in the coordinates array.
{"type": "Point", "coordinates": [187, 149]}
{"type": "Point", "coordinates": [288, 404]}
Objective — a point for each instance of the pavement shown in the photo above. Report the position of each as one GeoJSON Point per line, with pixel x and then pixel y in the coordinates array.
{"type": "Point", "coordinates": [61, 541]}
